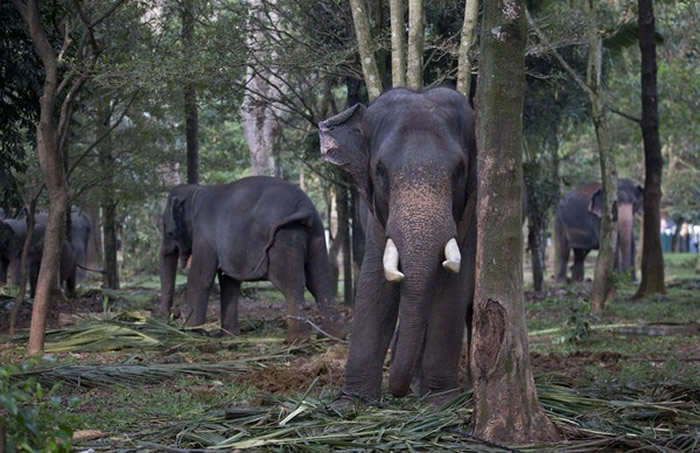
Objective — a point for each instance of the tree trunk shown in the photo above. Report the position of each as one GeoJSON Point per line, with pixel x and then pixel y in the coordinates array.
{"type": "Point", "coordinates": [534, 234]}
{"type": "Point", "coordinates": [259, 111]}
{"type": "Point", "coordinates": [52, 168]}
{"type": "Point", "coordinates": [414, 63]}
{"type": "Point", "coordinates": [190, 95]}
{"type": "Point", "coordinates": [398, 43]}
{"type": "Point", "coordinates": [652, 255]}
{"type": "Point", "coordinates": [467, 40]}
{"type": "Point", "coordinates": [109, 205]}
{"type": "Point", "coordinates": [506, 406]}
{"type": "Point", "coordinates": [366, 49]}
{"type": "Point", "coordinates": [603, 285]}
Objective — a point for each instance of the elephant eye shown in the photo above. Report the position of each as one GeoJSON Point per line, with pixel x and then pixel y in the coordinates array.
{"type": "Point", "coordinates": [458, 172]}
{"type": "Point", "coordinates": [382, 176]}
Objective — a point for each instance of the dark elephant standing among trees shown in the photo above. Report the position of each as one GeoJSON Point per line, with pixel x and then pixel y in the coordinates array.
{"type": "Point", "coordinates": [80, 231]}
{"type": "Point", "coordinates": [12, 235]}
{"type": "Point", "coordinates": [413, 157]}
{"type": "Point", "coordinates": [257, 228]}
{"type": "Point", "coordinates": [577, 226]}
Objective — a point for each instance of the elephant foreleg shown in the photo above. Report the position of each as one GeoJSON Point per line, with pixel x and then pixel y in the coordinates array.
{"type": "Point", "coordinates": [168, 272]}
{"type": "Point", "coordinates": [375, 313]}
{"type": "Point", "coordinates": [578, 271]}
{"type": "Point", "coordinates": [562, 250]}
{"type": "Point", "coordinates": [230, 290]}
{"type": "Point", "coordinates": [443, 342]}
{"type": "Point", "coordinates": [199, 282]}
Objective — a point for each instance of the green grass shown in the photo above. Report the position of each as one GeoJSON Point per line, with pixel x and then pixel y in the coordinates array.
{"type": "Point", "coordinates": [121, 409]}
{"type": "Point", "coordinates": [605, 364]}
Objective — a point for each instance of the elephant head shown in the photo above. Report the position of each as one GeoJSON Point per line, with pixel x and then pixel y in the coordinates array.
{"type": "Point", "coordinates": [177, 221]}
{"type": "Point", "coordinates": [413, 157]}
{"type": "Point", "coordinates": [630, 197]}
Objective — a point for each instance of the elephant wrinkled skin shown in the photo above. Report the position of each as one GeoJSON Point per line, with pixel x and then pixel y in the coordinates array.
{"type": "Point", "coordinates": [577, 226]}
{"type": "Point", "coordinates": [257, 228]}
{"type": "Point", "coordinates": [413, 157]}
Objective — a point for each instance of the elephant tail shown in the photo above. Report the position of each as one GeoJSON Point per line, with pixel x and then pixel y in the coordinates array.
{"type": "Point", "coordinates": [302, 217]}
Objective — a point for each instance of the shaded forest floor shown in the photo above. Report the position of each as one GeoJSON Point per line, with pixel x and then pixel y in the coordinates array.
{"type": "Point", "coordinates": [628, 380]}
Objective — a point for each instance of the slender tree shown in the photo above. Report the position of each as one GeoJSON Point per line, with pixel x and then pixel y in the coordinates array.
{"type": "Point", "coordinates": [398, 43]}
{"type": "Point", "coordinates": [416, 41]}
{"type": "Point", "coordinates": [51, 132]}
{"type": "Point", "coordinates": [652, 255]}
{"type": "Point", "coordinates": [506, 406]}
{"type": "Point", "coordinates": [190, 95]}
{"type": "Point", "coordinates": [108, 202]}
{"type": "Point", "coordinates": [467, 40]}
{"type": "Point", "coordinates": [603, 284]}
{"type": "Point", "coordinates": [366, 49]}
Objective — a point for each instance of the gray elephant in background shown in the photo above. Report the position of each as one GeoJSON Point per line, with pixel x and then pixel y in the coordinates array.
{"type": "Point", "coordinates": [412, 156]}
{"type": "Point", "coordinates": [577, 226]}
{"type": "Point", "coordinates": [256, 228]}
{"type": "Point", "coordinates": [80, 231]}
{"type": "Point", "coordinates": [12, 236]}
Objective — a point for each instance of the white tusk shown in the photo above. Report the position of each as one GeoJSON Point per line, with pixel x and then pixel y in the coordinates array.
{"type": "Point", "coordinates": [452, 256]}
{"type": "Point", "coordinates": [391, 262]}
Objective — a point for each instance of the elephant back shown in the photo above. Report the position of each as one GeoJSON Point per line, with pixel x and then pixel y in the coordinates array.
{"type": "Point", "coordinates": [240, 220]}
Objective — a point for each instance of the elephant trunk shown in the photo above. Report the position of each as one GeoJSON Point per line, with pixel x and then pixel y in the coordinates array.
{"type": "Point", "coordinates": [421, 239]}
{"type": "Point", "coordinates": [626, 236]}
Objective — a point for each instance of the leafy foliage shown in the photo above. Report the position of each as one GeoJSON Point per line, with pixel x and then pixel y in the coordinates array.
{"type": "Point", "coordinates": [31, 417]}
{"type": "Point", "coordinates": [22, 76]}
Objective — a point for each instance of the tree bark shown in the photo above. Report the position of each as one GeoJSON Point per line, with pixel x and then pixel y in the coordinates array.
{"type": "Point", "coordinates": [109, 205]}
{"type": "Point", "coordinates": [603, 284]}
{"type": "Point", "coordinates": [467, 40]}
{"type": "Point", "coordinates": [506, 406]}
{"type": "Point", "coordinates": [259, 111]}
{"type": "Point", "coordinates": [398, 43]}
{"type": "Point", "coordinates": [534, 234]}
{"type": "Point", "coordinates": [190, 95]}
{"type": "Point", "coordinates": [52, 168]}
{"type": "Point", "coordinates": [366, 48]}
{"type": "Point", "coordinates": [416, 29]}
{"type": "Point", "coordinates": [652, 254]}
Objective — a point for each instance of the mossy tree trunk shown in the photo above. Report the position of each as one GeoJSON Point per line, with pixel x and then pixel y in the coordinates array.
{"type": "Point", "coordinates": [365, 46]}
{"type": "Point", "coordinates": [190, 95]}
{"type": "Point", "coordinates": [652, 254]}
{"type": "Point", "coordinates": [603, 283]}
{"type": "Point", "coordinates": [506, 406]}
{"type": "Point", "coordinates": [414, 60]}
{"type": "Point", "coordinates": [398, 43]}
{"type": "Point", "coordinates": [467, 40]}
{"type": "Point", "coordinates": [110, 279]}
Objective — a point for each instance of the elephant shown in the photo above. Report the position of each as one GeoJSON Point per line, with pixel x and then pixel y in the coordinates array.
{"type": "Point", "coordinates": [577, 226]}
{"type": "Point", "coordinates": [80, 231]}
{"type": "Point", "coordinates": [412, 156]}
{"type": "Point", "coordinates": [12, 236]}
{"type": "Point", "coordinates": [256, 228]}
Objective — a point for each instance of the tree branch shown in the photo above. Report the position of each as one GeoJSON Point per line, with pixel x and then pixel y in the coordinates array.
{"type": "Point", "coordinates": [625, 115]}
{"type": "Point", "coordinates": [574, 75]}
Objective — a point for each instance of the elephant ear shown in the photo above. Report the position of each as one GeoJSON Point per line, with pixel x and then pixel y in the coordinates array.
{"type": "Point", "coordinates": [596, 204]}
{"type": "Point", "coordinates": [343, 143]}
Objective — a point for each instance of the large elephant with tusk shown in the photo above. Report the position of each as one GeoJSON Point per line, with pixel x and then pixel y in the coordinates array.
{"type": "Point", "coordinates": [412, 155]}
